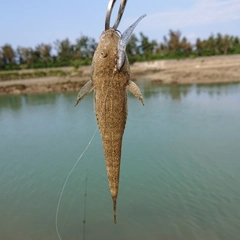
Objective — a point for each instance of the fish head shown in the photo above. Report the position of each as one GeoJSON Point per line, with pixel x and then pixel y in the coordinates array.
{"type": "Point", "coordinates": [106, 54]}
{"type": "Point", "coordinates": [111, 50]}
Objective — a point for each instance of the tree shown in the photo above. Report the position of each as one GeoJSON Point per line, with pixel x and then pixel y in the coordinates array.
{"type": "Point", "coordinates": [175, 46]}
{"type": "Point", "coordinates": [226, 44]}
{"type": "Point", "coordinates": [85, 47]}
{"type": "Point", "coordinates": [147, 48]}
{"type": "Point", "coordinates": [1, 59]}
{"type": "Point", "coordinates": [235, 45]}
{"type": "Point", "coordinates": [132, 49]}
{"type": "Point", "coordinates": [65, 51]}
{"type": "Point", "coordinates": [209, 47]}
{"type": "Point", "coordinates": [163, 48]}
{"type": "Point", "coordinates": [219, 42]}
{"type": "Point", "coordinates": [198, 47]}
{"type": "Point", "coordinates": [132, 46]}
{"type": "Point", "coordinates": [137, 49]}
{"type": "Point", "coordinates": [174, 42]}
{"type": "Point", "coordinates": [24, 55]}
{"type": "Point", "coordinates": [29, 56]}
{"type": "Point", "coordinates": [186, 47]}
{"type": "Point", "coordinates": [44, 51]}
{"type": "Point", "coordinates": [8, 54]}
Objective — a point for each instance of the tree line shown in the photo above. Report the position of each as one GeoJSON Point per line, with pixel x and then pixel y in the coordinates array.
{"type": "Point", "coordinates": [139, 48]}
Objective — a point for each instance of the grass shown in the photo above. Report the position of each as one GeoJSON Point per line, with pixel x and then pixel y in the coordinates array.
{"type": "Point", "coordinates": [15, 75]}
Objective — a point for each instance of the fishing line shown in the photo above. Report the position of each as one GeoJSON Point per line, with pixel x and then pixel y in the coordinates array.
{"type": "Point", "coordinates": [85, 206]}
{"type": "Point", "coordinates": [66, 180]}
{"type": "Point", "coordinates": [69, 174]}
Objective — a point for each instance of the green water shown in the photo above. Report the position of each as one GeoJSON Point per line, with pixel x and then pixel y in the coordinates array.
{"type": "Point", "coordinates": [179, 173]}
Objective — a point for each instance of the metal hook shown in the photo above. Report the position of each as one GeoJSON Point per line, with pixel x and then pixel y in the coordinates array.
{"type": "Point", "coordinates": [120, 13]}
{"type": "Point", "coordinates": [109, 12]}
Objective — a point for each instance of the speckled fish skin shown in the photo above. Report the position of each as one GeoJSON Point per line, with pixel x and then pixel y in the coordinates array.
{"type": "Point", "coordinates": [110, 105]}
{"type": "Point", "coordinates": [110, 85]}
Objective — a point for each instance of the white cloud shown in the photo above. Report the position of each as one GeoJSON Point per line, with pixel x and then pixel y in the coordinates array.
{"type": "Point", "coordinates": [202, 13]}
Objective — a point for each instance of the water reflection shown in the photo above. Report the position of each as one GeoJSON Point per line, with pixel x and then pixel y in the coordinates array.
{"type": "Point", "coordinates": [217, 88]}
{"type": "Point", "coordinates": [178, 92]}
{"type": "Point", "coordinates": [37, 99]}
{"type": "Point", "coordinates": [15, 102]}
{"type": "Point", "coordinates": [149, 90]}
{"type": "Point", "coordinates": [175, 92]}
{"type": "Point", "coordinates": [10, 102]}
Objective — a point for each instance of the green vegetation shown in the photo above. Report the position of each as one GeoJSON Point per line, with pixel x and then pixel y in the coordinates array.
{"type": "Point", "coordinates": [13, 75]}
{"type": "Point", "coordinates": [138, 49]}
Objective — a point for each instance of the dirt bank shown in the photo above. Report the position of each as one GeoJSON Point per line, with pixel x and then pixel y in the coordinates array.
{"type": "Point", "coordinates": [220, 69]}
{"type": "Point", "coordinates": [214, 69]}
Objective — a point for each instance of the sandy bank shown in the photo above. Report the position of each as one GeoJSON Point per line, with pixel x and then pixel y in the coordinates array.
{"type": "Point", "coordinates": [220, 69]}
{"type": "Point", "coordinates": [214, 69]}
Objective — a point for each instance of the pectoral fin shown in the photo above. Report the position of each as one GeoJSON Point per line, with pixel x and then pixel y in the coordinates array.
{"type": "Point", "coordinates": [134, 89]}
{"type": "Point", "coordinates": [87, 88]}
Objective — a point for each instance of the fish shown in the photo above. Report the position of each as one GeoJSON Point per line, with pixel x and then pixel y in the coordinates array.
{"type": "Point", "coordinates": [110, 80]}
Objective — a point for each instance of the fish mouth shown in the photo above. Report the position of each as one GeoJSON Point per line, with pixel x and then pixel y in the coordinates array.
{"type": "Point", "coordinates": [109, 13]}
{"type": "Point", "coordinates": [110, 32]}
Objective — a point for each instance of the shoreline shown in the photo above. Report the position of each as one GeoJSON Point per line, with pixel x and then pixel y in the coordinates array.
{"type": "Point", "coordinates": [203, 70]}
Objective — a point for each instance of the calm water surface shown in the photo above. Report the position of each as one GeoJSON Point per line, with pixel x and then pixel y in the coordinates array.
{"type": "Point", "coordinates": [179, 172]}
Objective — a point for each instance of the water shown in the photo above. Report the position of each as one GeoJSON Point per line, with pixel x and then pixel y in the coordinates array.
{"type": "Point", "coordinates": [179, 172]}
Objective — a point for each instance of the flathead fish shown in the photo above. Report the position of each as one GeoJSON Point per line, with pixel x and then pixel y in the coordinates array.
{"type": "Point", "coordinates": [110, 80]}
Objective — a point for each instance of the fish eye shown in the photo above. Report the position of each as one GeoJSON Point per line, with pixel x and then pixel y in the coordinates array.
{"type": "Point", "coordinates": [104, 53]}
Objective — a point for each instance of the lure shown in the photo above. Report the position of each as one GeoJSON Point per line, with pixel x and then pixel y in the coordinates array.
{"type": "Point", "coordinates": [110, 78]}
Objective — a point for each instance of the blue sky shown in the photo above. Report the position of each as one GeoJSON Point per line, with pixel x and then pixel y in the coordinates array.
{"type": "Point", "coordinates": [28, 23]}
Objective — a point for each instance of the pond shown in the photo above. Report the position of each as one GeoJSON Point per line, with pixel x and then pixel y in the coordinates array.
{"type": "Point", "coordinates": [179, 171]}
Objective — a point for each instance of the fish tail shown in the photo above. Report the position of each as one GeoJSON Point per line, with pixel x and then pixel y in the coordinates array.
{"type": "Point", "coordinates": [115, 209]}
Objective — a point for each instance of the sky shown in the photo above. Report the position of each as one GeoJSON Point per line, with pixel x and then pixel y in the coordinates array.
{"type": "Point", "coordinates": [28, 23]}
